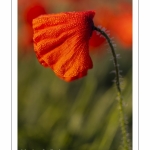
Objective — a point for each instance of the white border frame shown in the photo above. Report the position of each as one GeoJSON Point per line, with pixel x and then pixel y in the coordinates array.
{"type": "Point", "coordinates": [135, 70]}
{"type": "Point", "coordinates": [9, 110]}
{"type": "Point", "coordinates": [14, 75]}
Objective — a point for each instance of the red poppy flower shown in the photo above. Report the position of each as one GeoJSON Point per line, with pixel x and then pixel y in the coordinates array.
{"type": "Point", "coordinates": [117, 20]}
{"type": "Point", "coordinates": [96, 40]}
{"type": "Point", "coordinates": [122, 25]}
{"type": "Point", "coordinates": [33, 10]}
{"type": "Point", "coordinates": [28, 10]}
{"type": "Point", "coordinates": [61, 42]}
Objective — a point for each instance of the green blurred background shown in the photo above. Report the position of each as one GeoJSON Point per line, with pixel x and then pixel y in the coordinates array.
{"type": "Point", "coordinates": [83, 114]}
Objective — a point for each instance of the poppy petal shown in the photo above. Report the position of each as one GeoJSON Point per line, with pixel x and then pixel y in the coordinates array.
{"type": "Point", "coordinates": [61, 42]}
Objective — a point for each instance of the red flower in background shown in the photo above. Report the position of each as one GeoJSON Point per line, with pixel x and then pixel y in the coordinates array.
{"type": "Point", "coordinates": [102, 19]}
{"type": "Point", "coordinates": [27, 12]}
{"type": "Point", "coordinates": [34, 10]}
{"type": "Point", "coordinates": [118, 21]}
{"type": "Point", "coordinates": [122, 25]}
{"type": "Point", "coordinates": [61, 42]}
{"type": "Point", "coordinates": [96, 40]}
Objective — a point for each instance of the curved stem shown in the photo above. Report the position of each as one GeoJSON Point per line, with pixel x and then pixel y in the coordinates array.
{"type": "Point", "coordinates": [122, 119]}
{"type": "Point", "coordinates": [114, 57]}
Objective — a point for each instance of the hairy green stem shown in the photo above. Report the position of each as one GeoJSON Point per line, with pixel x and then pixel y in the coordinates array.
{"type": "Point", "coordinates": [123, 125]}
{"type": "Point", "coordinates": [122, 119]}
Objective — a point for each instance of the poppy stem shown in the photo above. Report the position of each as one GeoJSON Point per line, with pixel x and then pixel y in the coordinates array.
{"type": "Point", "coordinates": [114, 57]}
{"type": "Point", "coordinates": [122, 119]}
